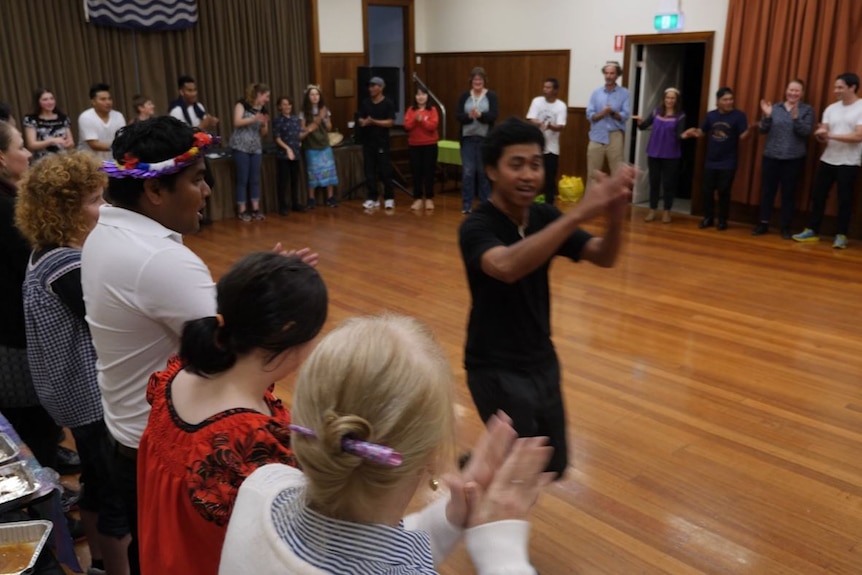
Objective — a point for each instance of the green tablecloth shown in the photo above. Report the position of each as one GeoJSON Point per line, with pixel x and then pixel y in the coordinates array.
{"type": "Point", "coordinates": [449, 152]}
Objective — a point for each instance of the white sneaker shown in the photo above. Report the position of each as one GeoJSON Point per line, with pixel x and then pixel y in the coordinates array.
{"type": "Point", "coordinates": [388, 204]}
{"type": "Point", "coordinates": [371, 204]}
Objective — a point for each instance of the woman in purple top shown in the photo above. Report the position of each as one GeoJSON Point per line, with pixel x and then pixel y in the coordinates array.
{"type": "Point", "coordinates": [664, 151]}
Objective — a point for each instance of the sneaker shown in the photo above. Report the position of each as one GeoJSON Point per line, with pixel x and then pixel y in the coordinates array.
{"type": "Point", "coordinates": [466, 212]}
{"type": "Point", "coordinates": [257, 215]}
{"type": "Point", "coordinates": [312, 203]}
{"type": "Point", "coordinates": [331, 202]}
{"type": "Point", "coordinates": [389, 204]}
{"type": "Point", "coordinates": [840, 242]}
{"type": "Point", "coordinates": [417, 206]}
{"type": "Point", "coordinates": [807, 235]}
{"type": "Point", "coordinates": [370, 204]}
{"type": "Point", "coordinates": [429, 205]}
{"type": "Point", "coordinates": [760, 229]}
{"type": "Point", "coordinates": [650, 216]}
{"type": "Point", "coordinates": [665, 217]}
{"type": "Point", "coordinates": [244, 216]}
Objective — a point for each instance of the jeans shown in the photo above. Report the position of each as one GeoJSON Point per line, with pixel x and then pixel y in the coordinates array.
{"type": "Point", "coordinates": [472, 170]}
{"type": "Point", "coordinates": [247, 176]}
{"type": "Point", "coordinates": [845, 178]}
{"type": "Point", "coordinates": [663, 174]}
{"type": "Point", "coordinates": [786, 174]}
{"type": "Point", "coordinates": [423, 165]}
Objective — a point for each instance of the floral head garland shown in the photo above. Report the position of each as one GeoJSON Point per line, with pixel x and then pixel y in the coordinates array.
{"type": "Point", "coordinates": [132, 167]}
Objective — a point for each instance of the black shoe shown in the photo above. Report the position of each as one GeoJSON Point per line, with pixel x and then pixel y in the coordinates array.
{"type": "Point", "coordinates": [705, 223]}
{"type": "Point", "coordinates": [721, 226]}
{"type": "Point", "coordinates": [283, 212]}
{"type": "Point", "coordinates": [786, 234]}
{"type": "Point", "coordinates": [298, 208]}
{"type": "Point", "coordinates": [76, 529]}
{"type": "Point", "coordinates": [68, 462]}
{"type": "Point", "coordinates": [760, 229]}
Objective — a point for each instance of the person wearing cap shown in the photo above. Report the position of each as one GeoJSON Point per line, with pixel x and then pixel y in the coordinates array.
{"type": "Point", "coordinates": [477, 111]}
{"type": "Point", "coordinates": [549, 113]}
{"type": "Point", "coordinates": [607, 111]}
{"type": "Point", "coordinates": [664, 152]}
{"type": "Point", "coordinates": [376, 116]}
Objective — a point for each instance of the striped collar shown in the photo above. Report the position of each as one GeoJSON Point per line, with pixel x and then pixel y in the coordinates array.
{"type": "Point", "coordinates": [344, 547]}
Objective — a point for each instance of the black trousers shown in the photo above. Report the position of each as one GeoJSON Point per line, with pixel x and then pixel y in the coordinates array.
{"type": "Point", "coordinates": [552, 164]}
{"type": "Point", "coordinates": [721, 181]}
{"type": "Point", "coordinates": [287, 177]}
{"type": "Point", "coordinates": [124, 474]}
{"type": "Point", "coordinates": [378, 161]}
{"type": "Point", "coordinates": [532, 398]}
{"type": "Point", "coordinates": [37, 429]}
{"type": "Point", "coordinates": [423, 166]}
{"type": "Point", "coordinates": [845, 178]}
{"type": "Point", "coordinates": [663, 175]}
{"type": "Point", "coordinates": [784, 173]}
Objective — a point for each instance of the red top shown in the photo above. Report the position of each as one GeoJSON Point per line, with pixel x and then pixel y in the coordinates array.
{"type": "Point", "coordinates": [188, 476]}
{"type": "Point", "coordinates": [421, 126]}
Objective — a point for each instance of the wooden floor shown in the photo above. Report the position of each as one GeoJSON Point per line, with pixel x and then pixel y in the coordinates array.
{"type": "Point", "coordinates": [713, 383]}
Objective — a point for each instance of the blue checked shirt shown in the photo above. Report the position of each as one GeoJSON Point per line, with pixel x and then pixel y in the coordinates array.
{"type": "Point", "coordinates": [618, 99]}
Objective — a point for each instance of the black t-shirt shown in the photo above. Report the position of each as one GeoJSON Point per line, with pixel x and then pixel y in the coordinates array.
{"type": "Point", "coordinates": [376, 136]}
{"type": "Point", "coordinates": [510, 324]}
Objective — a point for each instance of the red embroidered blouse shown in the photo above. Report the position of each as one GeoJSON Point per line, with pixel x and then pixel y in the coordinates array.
{"type": "Point", "coordinates": [189, 475]}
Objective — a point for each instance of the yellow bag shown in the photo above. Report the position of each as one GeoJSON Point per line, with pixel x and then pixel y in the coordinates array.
{"type": "Point", "coordinates": [571, 189]}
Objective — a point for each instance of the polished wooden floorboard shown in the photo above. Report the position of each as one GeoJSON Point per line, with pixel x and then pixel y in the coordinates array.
{"type": "Point", "coordinates": [713, 383]}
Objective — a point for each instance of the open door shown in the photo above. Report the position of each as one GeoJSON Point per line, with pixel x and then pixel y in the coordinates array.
{"type": "Point", "coordinates": [657, 68]}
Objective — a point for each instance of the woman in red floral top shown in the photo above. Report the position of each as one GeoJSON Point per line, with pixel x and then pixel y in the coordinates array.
{"type": "Point", "coordinates": [214, 419]}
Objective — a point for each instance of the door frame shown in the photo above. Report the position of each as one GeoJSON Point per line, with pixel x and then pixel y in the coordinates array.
{"type": "Point", "coordinates": [409, 40]}
{"type": "Point", "coordinates": [708, 40]}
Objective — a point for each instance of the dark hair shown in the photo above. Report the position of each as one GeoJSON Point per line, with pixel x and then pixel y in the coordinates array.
{"type": "Point", "coordinates": [850, 79]}
{"type": "Point", "coordinates": [6, 131]}
{"type": "Point", "coordinates": [512, 132]}
{"type": "Point", "coordinates": [428, 104]}
{"type": "Point", "coordinates": [5, 112]}
{"type": "Point", "coordinates": [139, 100]}
{"type": "Point", "coordinates": [99, 87]}
{"type": "Point", "coordinates": [722, 92]}
{"type": "Point", "coordinates": [154, 140]}
{"type": "Point", "coordinates": [37, 109]}
{"type": "Point", "coordinates": [554, 82]}
{"type": "Point", "coordinates": [267, 301]}
{"type": "Point", "coordinates": [289, 101]}
{"type": "Point", "coordinates": [307, 105]}
{"type": "Point", "coordinates": [183, 80]}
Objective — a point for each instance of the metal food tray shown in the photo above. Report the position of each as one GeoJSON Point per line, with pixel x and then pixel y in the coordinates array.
{"type": "Point", "coordinates": [16, 483]}
{"type": "Point", "coordinates": [8, 448]}
{"type": "Point", "coordinates": [33, 532]}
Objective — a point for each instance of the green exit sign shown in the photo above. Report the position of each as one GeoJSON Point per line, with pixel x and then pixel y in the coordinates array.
{"type": "Point", "coordinates": [668, 22]}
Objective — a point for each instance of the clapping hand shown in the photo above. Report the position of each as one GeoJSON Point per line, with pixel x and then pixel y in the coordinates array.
{"type": "Point", "coordinates": [766, 108]}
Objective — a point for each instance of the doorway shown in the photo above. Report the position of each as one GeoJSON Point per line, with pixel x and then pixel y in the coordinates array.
{"type": "Point", "coordinates": [654, 63]}
{"type": "Point", "coordinates": [389, 43]}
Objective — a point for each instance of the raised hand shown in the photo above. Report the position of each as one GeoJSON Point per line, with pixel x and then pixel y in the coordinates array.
{"type": "Point", "coordinates": [766, 108]}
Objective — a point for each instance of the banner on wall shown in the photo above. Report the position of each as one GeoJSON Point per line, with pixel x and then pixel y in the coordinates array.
{"type": "Point", "coordinates": [143, 14]}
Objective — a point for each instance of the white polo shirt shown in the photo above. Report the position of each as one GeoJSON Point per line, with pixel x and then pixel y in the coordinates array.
{"type": "Point", "coordinates": [91, 127]}
{"type": "Point", "coordinates": [141, 284]}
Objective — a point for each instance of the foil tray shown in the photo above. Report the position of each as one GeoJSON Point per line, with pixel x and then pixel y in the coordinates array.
{"type": "Point", "coordinates": [8, 448]}
{"type": "Point", "coordinates": [29, 533]}
{"type": "Point", "coordinates": [16, 483]}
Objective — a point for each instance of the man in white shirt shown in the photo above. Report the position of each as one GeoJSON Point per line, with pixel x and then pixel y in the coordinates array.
{"type": "Point", "coordinates": [841, 130]}
{"type": "Point", "coordinates": [98, 125]}
{"type": "Point", "coordinates": [141, 284]}
{"type": "Point", "coordinates": [549, 114]}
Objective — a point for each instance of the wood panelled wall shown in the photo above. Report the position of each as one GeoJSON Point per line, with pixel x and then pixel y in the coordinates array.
{"type": "Point", "coordinates": [573, 144]}
{"type": "Point", "coordinates": [337, 66]}
{"type": "Point", "coordinates": [516, 77]}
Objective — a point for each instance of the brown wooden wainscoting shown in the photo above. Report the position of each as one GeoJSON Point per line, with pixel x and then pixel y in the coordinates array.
{"type": "Point", "coordinates": [516, 77]}
{"type": "Point", "coordinates": [337, 66]}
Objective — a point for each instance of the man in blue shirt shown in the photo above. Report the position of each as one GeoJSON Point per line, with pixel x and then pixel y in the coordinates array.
{"type": "Point", "coordinates": [608, 112]}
